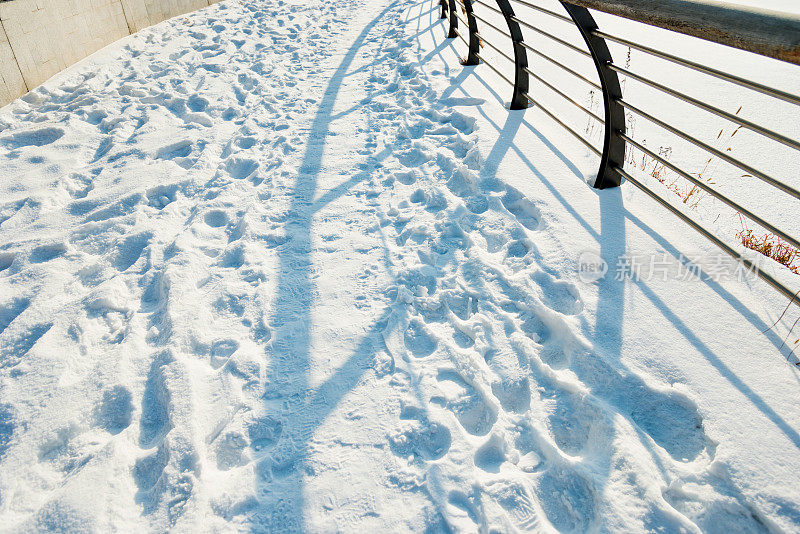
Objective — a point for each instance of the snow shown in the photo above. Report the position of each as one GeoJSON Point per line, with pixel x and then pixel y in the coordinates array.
{"type": "Point", "coordinates": [277, 266]}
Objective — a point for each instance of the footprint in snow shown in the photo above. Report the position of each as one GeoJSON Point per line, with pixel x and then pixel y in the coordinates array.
{"type": "Point", "coordinates": [216, 218]}
{"type": "Point", "coordinates": [38, 137]}
{"type": "Point", "coordinates": [130, 250]}
{"type": "Point", "coordinates": [14, 348]}
{"type": "Point", "coordinates": [567, 498]}
{"type": "Point", "coordinates": [11, 310]}
{"type": "Point", "coordinates": [523, 210]}
{"type": "Point", "coordinates": [245, 142]}
{"type": "Point", "coordinates": [114, 412]}
{"type": "Point", "coordinates": [264, 432]}
{"type": "Point", "coordinates": [176, 150]}
{"type": "Point", "coordinates": [575, 423]}
{"type": "Point", "coordinates": [240, 168]}
{"type": "Point", "coordinates": [162, 195]}
{"type": "Point", "coordinates": [197, 103]}
{"type": "Point", "coordinates": [492, 454]}
{"type": "Point", "coordinates": [229, 450]}
{"type": "Point", "coordinates": [147, 471]}
{"type": "Point", "coordinates": [470, 408]}
{"type": "Point", "coordinates": [419, 340]}
{"type": "Point", "coordinates": [221, 352]}
{"type": "Point", "coordinates": [559, 295]}
{"type": "Point", "coordinates": [420, 436]}
{"type": "Point", "coordinates": [155, 420]}
{"type": "Point", "coordinates": [78, 185]}
{"type": "Point", "coordinates": [45, 253]}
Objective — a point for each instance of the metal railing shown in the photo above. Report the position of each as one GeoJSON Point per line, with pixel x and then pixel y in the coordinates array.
{"type": "Point", "coordinates": [767, 33]}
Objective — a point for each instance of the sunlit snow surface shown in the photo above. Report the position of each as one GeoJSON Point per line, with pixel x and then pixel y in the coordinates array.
{"type": "Point", "coordinates": [280, 266]}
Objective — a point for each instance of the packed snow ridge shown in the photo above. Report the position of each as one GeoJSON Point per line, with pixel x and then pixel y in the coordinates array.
{"type": "Point", "coordinates": [259, 272]}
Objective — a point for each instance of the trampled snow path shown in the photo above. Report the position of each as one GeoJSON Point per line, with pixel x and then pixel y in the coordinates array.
{"type": "Point", "coordinates": [258, 274]}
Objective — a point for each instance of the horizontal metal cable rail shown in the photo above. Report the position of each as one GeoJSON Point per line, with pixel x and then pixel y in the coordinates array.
{"type": "Point", "coordinates": [484, 40]}
{"type": "Point", "coordinates": [489, 6]}
{"type": "Point", "coordinates": [565, 96]}
{"type": "Point", "coordinates": [707, 107]}
{"type": "Point", "coordinates": [492, 26]}
{"type": "Point", "coordinates": [713, 192]}
{"type": "Point", "coordinates": [764, 89]}
{"type": "Point", "coordinates": [543, 10]}
{"type": "Point", "coordinates": [577, 136]}
{"type": "Point", "coordinates": [715, 151]}
{"type": "Point", "coordinates": [562, 66]}
{"type": "Point", "coordinates": [554, 38]}
{"type": "Point", "coordinates": [771, 34]}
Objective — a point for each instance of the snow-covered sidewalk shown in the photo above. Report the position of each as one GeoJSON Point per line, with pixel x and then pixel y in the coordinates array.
{"type": "Point", "coordinates": [286, 265]}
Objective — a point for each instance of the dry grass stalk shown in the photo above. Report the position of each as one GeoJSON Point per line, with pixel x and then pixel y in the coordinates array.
{"type": "Point", "coordinates": [773, 247]}
{"type": "Point", "coordinates": [770, 246]}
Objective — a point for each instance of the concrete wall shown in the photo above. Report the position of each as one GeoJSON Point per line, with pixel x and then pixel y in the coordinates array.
{"type": "Point", "coordinates": [47, 36]}
{"type": "Point", "coordinates": [144, 13]}
{"type": "Point", "coordinates": [39, 38]}
{"type": "Point", "coordinates": [12, 84]}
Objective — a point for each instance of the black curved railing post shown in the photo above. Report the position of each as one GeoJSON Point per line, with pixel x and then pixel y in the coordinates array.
{"type": "Point", "coordinates": [521, 82]}
{"type": "Point", "coordinates": [474, 39]}
{"type": "Point", "coordinates": [451, 7]}
{"type": "Point", "coordinates": [443, 4]}
{"type": "Point", "coordinates": [613, 144]}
